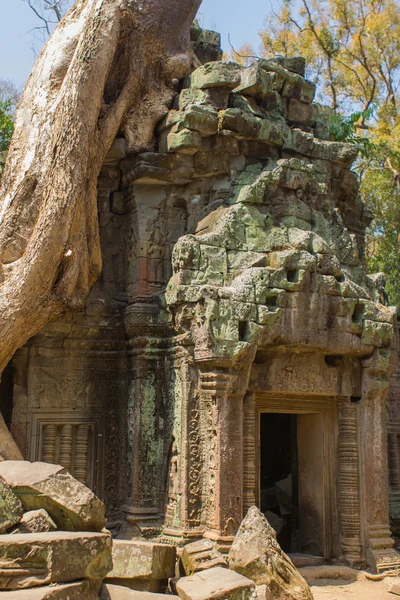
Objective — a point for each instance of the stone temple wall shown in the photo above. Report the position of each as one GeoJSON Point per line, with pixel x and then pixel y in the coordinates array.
{"type": "Point", "coordinates": [234, 284]}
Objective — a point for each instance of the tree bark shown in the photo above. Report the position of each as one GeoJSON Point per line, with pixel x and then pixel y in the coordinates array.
{"type": "Point", "coordinates": [108, 68]}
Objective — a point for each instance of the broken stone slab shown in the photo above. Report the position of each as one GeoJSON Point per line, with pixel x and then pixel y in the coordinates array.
{"type": "Point", "coordinates": [140, 559]}
{"type": "Point", "coordinates": [78, 590]}
{"type": "Point", "coordinates": [256, 554]}
{"type": "Point", "coordinates": [201, 555]}
{"type": "Point", "coordinates": [11, 510]}
{"type": "Point", "coordinates": [33, 559]}
{"type": "Point", "coordinates": [119, 592]}
{"type": "Point", "coordinates": [35, 521]}
{"type": "Point", "coordinates": [217, 583]}
{"type": "Point", "coordinates": [71, 505]}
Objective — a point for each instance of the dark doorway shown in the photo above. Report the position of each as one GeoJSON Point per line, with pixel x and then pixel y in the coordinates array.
{"type": "Point", "coordinates": [6, 394]}
{"type": "Point", "coordinates": [279, 489]}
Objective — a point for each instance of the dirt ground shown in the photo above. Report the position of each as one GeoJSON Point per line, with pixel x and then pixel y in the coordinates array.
{"type": "Point", "coordinates": [342, 583]}
{"type": "Point", "coordinates": [328, 589]}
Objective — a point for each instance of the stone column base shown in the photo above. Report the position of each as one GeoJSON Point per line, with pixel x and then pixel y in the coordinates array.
{"type": "Point", "coordinates": [387, 559]}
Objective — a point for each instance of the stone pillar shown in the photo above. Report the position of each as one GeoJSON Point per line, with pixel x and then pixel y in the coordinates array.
{"type": "Point", "coordinates": [349, 491]}
{"type": "Point", "coordinates": [381, 555]}
{"type": "Point", "coordinates": [147, 413]}
{"type": "Point", "coordinates": [222, 402]}
{"type": "Point", "coordinates": [249, 453]}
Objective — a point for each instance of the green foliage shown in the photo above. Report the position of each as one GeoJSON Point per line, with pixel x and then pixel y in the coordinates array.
{"type": "Point", "coordinates": [6, 124]}
{"type": "Point", "coordinates": [347, 129]}
{"type": "Point", "coordinates": [380, 193]}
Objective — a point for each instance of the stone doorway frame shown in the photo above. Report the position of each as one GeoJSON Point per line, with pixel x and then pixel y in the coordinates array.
{"type": "Point", "coordinates": [342, 482]}
{"type": "Point", "coordinates": [325, 408]}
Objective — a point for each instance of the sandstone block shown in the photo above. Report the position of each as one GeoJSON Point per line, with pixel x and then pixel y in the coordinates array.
{"type": "Point", "coordinates": [300, 112]}
{"type": "Point", "coordinates": [71, 505]}
{"type": "Point", "coordinates": [201, 555]}
{"type": "Point", "coordinates": [207, 46]}
{"type": "Point", "coordinates": [139, 559]}
{"type": "Point", "coordinates": [11, 509]}
{"type": "Point", "coordinates": [297, 87]}
{"type": "Point", "coordinates": [78, 590]}
{"type": "Point", "coordinates": [256, 554]}
{"type": "Point", "coordinates": [295, 64]}
{"type": "Point", "coordinates": [257, 82]}
{"type": "Point", "coordinates": [36, 521]}
{"type": "Point", "coordinates": [185, 141]}
{"type": "Point", "coordinates": [243, 124]}
{"type": "Point", "coordinates": [215, 97]}
{"type": "Point", "coordinates": [119, 592]}
{"type": "Point", "coordinates": [394, 586]}
{"type": "Point", "coordinates": [216, 74]}
{"type": "Point", "coordinates": [33, 559]}
{"type": "Point", "coordinates": [203, 119]}
{"type": "Point", "coordinates": [217, 583]}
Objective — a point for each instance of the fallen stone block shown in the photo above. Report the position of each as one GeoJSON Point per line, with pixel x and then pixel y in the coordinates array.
{"type": "Point", "coordinates": [34, 559]}
{"type": "Point", "coordinates": [394, 586]}
{"type": "Point", "coordinates": [201, 555]}
{"type": "Point", "coordinates": [11, 509]}
{"type": "Point", "coordinates": [71, 505]}
{"type": "Point", "coordinates": [256, 554]}
{"type": "Point", "coordinates": [35, 521]}
{"type": "Point", "coordinates": [118, 592]}
{"type": "Point", "coordinates": [79, 590]}
{"type": "Point", "coordinates": [217, 583]}
{"type": "Point", "coordinates": [138, 561]}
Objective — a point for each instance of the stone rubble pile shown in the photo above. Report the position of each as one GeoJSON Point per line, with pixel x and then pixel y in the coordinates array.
{"type": "Point", "coordinates": [52, 544]}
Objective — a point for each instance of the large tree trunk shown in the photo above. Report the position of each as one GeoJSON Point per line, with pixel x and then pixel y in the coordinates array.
{"type": "Point", "coordinates": [108, 67]}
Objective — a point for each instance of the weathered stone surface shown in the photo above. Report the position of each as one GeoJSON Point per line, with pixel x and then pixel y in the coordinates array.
{"type": "Point", "coordinates": [34, 559]}
{"type": "Point", "coordinates": [201, 555]}
{"type": "Point", "coordinates": [139, 559]}
{"type": "Point", "coordinates": [70, 504]}
{"type": "Point", "coordinates": [11, 509]}
{"type": "Point", "coordinates": [256, 554]}
{"type": "Point", "coordinates": [217, 583]}
{"type": "Point", "coordinates": [263, 593]}
{"type": "Point", "coordinates": [36, 521]}
{"type": "Point", "coordinates": [216, 74]}
{"type": "Point", "coordinates": [118, 592]}
{"type": "Point", "coordinates": [79, 590]}
{"type": "Point", "coordinates": [256, 81]}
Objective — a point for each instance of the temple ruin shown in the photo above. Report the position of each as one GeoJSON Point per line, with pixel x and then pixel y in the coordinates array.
{"type": "Point", "coordinates": [235, 351]}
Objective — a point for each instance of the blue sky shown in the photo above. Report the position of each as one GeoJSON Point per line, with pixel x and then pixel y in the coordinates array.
{"type": "Point", "coordinates": [242, 20]}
